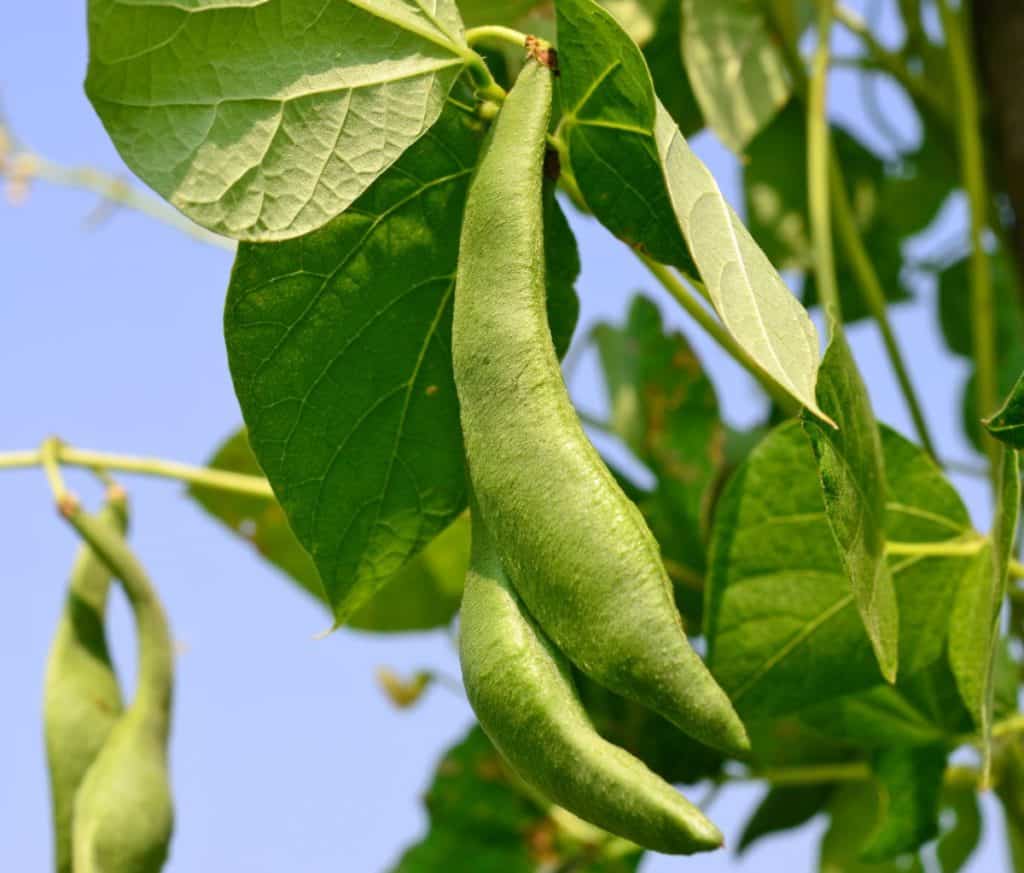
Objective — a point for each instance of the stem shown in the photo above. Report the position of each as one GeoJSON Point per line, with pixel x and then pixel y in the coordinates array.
{"type": "Point", "coordinates": [973, 170]}
{"type": "Point", "coordinates": [715, 330]}
{"type": "Point", "coordinates": [891, 62]}
{"type": "Point", "coordinates": [1016, 569]}
{"type": "Point", "coordinates": [857, 771]}
{"type": "Point", "coordinates": [495, 33]}
{"type": "Point", "coordinates": [874, 296]}
{"type": "Point", "coordinates": [948, 548]}
{"type": "Point", "coordinates": [817, 168]}
{"type": "Point", "coordinates": [487, 88]}
{"type": "Point", "coordinates": [54, 454]}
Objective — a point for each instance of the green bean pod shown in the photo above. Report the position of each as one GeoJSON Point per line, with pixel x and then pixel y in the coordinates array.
{"type": "Point", "coordinates": [521, 689]}
{"type": "Point", "coordinates": [577, 550]}
{"type": "Point", "coordinates": [123, 816]}
{"type": "Point", "coordinates": [81, 696]}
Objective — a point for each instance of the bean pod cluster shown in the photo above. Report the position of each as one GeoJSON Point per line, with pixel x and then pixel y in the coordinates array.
{"type": "Point", "coordinates": [564, 567]}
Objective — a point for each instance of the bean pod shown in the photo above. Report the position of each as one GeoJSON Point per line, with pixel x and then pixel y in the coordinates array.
{"type": "Point", "coordinates": [521, 689]}
{"type": "Point", "coordinates": [81, 697]}
{"type": "Point", "coordinates": [577, 550]}
{"type": "Point", "coordinates": [123, 815]}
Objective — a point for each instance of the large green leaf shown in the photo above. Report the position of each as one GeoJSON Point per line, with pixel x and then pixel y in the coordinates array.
{"type": "Point", "coordinates": [775, 188]}
{"type": "Point", "coordinates": [264, 119]}
{"type": "Point", "coordinates": [735, 66]}
{"type": "Point", "coordinates": [974, 620]}
{"type": "Point", "coordinates": [484, 820]}
{"type": "Point", "coordinates": [1007, 425]}
{"type": "Point", "coordinates": [782, 625]}
{"type": "Point", "coordinates": [339, 346]}
{"type": "Point", "coordinates": [911, 785]}
{"type": "Point", "coordinates": [612, 120]}
{"type": "Point", "coordinates": [423, 594]}
{"type": "Point", "coordinates": [476, 13]}
{"type": "Point", "coordinates": [852, 474]}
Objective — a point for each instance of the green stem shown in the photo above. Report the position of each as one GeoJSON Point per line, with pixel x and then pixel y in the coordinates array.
{"type": "Point", "coordinates": [891, 62]}
{"type": "Point", "coordinates": [715, 330]}
{"type": "Point", "coordinates": [818, 167]}
{"type": "Point", "coordinates": [972, 159]}
{"type": "Point", "coordinates": [54, 454]}
{"type": "Point", "coordinates": [495, 33]}
{"type": "Point", "coordinates": [948, 548]}
{"type": "Point", "coordinates": [855, 771]}
{"type": "Point", "coordinates": [874, 296]}
{"type": "Point", "coordinates": [487, 87]}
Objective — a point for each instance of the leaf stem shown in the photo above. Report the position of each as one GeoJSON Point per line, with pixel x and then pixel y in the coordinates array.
{"type": "Point", "coordinates": [818, 167]}
{"type": "Point", "coordinates": [950, 548]}
{"type": "Point", "coordinates": [874, 296]}
{"type": "Point", "coordinates": [973, 171]}
{"type": "Point", "coordinates": [54, 454]}
{"type": "Point", "coordinates": [715, 330]}
{"type": "Point", "coordinates": [495, 33]}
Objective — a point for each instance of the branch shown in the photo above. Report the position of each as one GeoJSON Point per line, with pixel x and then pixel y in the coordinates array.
{"type": "Point", "coordinates": [21, 167]}
{"type": "Point", "coordinates": [55, 454]}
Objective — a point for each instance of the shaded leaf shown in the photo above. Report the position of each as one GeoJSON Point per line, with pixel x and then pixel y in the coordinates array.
{"type": "Point", "coordinates": [339, 346]}
{"type": "Point", "coordinates": [853, 810]}
{"type": "Point", "coordinates": [735, 66]}
{"type": "Point", "coordinates": [783, 630]}
{"type": "Point", "coordinates": [423, 594]}
{"type": "Point", "coordinates": [1007, 425]}
{"type": "Point", "coordinates": [910, 782]}
{"type": "Point", "coordinates": [476, 13]}
{"type": "Point", "coordinates": [665, 60]}
{"type": "Point", "coordinates": [783, 808]}
{"type": "Point", "coordinates": [974, 620]}
{"type": "Point", "coordinates": [852, 475]}
{"type": "Point", "coordinates": [264, 119]}
{"type": "Point", "coordinates": [958, 840]}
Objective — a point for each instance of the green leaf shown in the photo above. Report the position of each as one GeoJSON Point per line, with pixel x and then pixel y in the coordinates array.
{"type": "Point", "coordinates": [974, 620]}
{"type": "Point", "coordinates": [484, 820]}
{"type": "Point", "coordinates": [958, 842]}
{"type": "Point", "coordinates": [783, 808]}
{"type": "Point", "coordinates": [664, 408]}
{"type": "Point", "coordinates": [776, 197]}
{"type": "Point", "coordinates": [665, 61]}
{"type": "Point", "coordinates": [607, 101]}
{"type": "Point", "coordinates": [476, 13]}
{"type": "Point", "coordinates": [852, 474]}
{"type": "Point", "coordinates": [423, 594]}
{"type": "Point", "coordinates": [612, 119]}
{"type": "Point", "coordinates": [911, 784]}
{"type": "Point", "coordinates": [746, 290]}
{"type": "Point", "coordinates": [853, 810]}
{"type": "Point", "coordinates": [782, 625]}
{"type": "Point", "coordinates": [1007, 425]}
{"type": "Point", "coordinates": [264, 119]}
{"type": "Point", "coordinates": [735, 66]}
{"type": "Point", "coordinates": [639, 18]}
{"type": "Point", "coordinates": [339, 346]}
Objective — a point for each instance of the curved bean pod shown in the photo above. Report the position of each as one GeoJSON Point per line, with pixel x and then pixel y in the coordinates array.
{"type": "Point", "coordinates": [123, 815]}
{"type": "Point", "coordinates": [81, 696]}
{"type": "Point", "coordinates": [522, 692]}
{"type": "Point", "coordinates": [577, 550]}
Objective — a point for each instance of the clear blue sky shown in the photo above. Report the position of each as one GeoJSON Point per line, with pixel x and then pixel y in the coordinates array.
{"type": "Point", "coordinates": [285, 755]}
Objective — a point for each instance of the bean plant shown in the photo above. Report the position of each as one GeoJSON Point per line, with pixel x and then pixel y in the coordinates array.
{"type": "Point", "coordinates": [396, 174]}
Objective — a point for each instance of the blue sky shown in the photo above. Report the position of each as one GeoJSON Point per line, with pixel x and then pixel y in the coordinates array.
{"type": "Point", "coordinates": [286, 757]}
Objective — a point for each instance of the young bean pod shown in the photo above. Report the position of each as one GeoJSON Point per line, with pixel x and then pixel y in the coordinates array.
{"type": "Point", "coordinates": [81, 697]}
{"type": "Point", "coordinates": [521, 689]}
{"type": "Point", "coordinates": [577, 550]}
{"type": "Point", "coordinates": [123, 815]}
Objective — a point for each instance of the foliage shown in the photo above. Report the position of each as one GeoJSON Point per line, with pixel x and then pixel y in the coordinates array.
{"type": "Point", "coordinates": [826, 565]}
